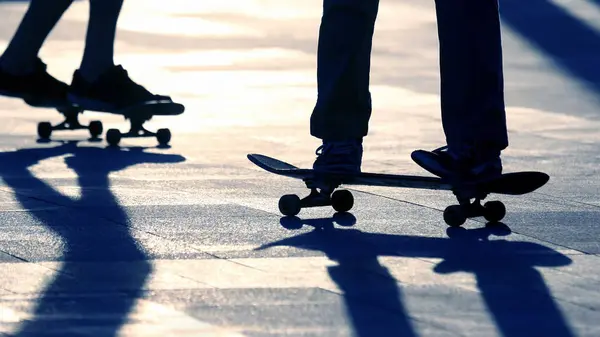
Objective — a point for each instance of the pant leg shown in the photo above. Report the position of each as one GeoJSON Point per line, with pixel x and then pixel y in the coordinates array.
{"type": "Point", "coordinates": [343, 107]}
{"type": "Point", "coordinates": [472, 83]}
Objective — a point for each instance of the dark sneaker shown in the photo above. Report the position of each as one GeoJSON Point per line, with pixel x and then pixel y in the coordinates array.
{"type": "Point", "coordinates": [111, 92]}
{"type": "Point", "coordinates": [339, 157]}
{"type": "Point", "coordinates": [466, 168]}
{"type": "Point", "coordinates": [37, 88]}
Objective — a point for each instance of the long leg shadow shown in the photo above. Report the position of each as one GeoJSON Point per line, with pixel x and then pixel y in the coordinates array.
{"type": "Point", "coordinates": [571, 43]}
{"type": "Point", "coordinates": [514, 291]}
{"type": "Point", "coordinates": [363, 292]}
{"type": "Point", "coordinates": [103, 268]}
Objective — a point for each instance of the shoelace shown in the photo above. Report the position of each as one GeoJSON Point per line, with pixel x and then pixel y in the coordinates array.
{"type": "Point", "coordinates": [466, 163]}
{"type": "Point", "coordinates": [336, 148]}
{"type": "Point", "coordinates": [137, 87]}
{"type": "Point", "coordinates": [127, 81]}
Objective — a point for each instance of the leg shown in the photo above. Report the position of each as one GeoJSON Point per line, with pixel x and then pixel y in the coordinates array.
{"type": "Point", "coordinates": [472, 91]}
{"type": "Point", "coordinates": [22, 73]}
{"type": "Point", "coordinates": [100, 38]}
{"type": "Point", "coordinates": [341, 115]}
{"type": "Point", "coordinates": [98, 84]}
{"type": "Point", "coordinates": [42, 15]}
{"type": "Point", "coordinates": [343, 106]}
{"type": "Point", "coordinates": [472, 84]}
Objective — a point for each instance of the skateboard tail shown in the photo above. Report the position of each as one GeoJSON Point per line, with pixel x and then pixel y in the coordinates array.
{"type": "Point", "coordinates": [270, 164]}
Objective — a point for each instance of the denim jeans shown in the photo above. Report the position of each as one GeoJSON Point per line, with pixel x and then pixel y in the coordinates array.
{"type": "Point", "coordinates": [472, 84]}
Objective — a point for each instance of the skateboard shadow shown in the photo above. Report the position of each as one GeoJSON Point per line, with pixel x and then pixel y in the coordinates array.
{"type": "Point", "coordinates": [100, 140]}
{"type": "Point", "coordinates": [571, 43]}
{"type": "Point", "coordinates": [103, 269]}
{"type": "Point", "coordinates": [514, 292]}
{"type": "Point", "coordinates": [341, 219]}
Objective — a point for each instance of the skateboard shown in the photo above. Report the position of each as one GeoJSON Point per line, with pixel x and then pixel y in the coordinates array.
{"type": "Point", "coordinates": [324, 189]}
{"type": "Point", "coordinates": [136, 115]}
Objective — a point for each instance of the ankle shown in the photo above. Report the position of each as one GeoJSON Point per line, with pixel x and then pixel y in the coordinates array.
{"type": "Point", "coordinates": [92, 74]}
{"type": "Point", "coordinates": [16, 68]}
{"type": "Point", "coordinates": [343, 141]}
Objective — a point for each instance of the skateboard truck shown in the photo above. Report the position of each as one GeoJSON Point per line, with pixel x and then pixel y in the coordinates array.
{"type": "Point", "coordinates": [321, 194]}
{"type": "Point", "coordinates": [136, 130]}
{"type": "Point", "coordinates": [456, 215]}
{"type": "Point", "coordinates": [71, 122]}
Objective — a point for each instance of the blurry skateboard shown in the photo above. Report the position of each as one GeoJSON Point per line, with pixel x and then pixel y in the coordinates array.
{"type": "Point", "coordinates": [137, 116]}
{"type": "Point", "coordinates": [323, 189]}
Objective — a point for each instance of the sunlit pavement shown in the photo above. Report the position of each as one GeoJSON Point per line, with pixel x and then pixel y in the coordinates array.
{"type": "Point", "coordinates": [188, 241]}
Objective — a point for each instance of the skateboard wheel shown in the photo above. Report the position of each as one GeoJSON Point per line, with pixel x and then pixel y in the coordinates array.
{"type": "Point", "coordinates": [163, 136]}
{"type": "Point", "coordinates": [289, 205]}
{"type": "Point", "coordinates": [113, 137]}
{"type": "Point", "coordinates": [44, 130]}
{"type": "Point", "coordinates": [494, 211]}
{"type": "Point", "coordinates": [342, 200]}
{"type": "Point", "coordinates": [454, 216]}
{"type": "Point", "coordinates": [95, 128]}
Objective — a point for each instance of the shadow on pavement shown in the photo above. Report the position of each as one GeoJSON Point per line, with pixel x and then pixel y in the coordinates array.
{"type": "Point", "coordinates": [569, 42]}
{"type": "Point", "coordinates": [103, 269]}
{"type": "Point", "coordinates": [514, 292]}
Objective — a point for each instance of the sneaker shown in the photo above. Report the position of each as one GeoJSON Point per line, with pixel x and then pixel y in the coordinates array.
{"type": "Point", "coordinates": [37, 88]}
{"type": "Point", "coordinates": [112, 91]}
{"type": "Point", "coordinates": [339, 157]}
{"type": "Point", "coordinates": [445, 163]}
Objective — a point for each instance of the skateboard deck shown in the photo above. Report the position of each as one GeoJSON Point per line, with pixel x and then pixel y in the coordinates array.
{"type": "Point", "coordinates": [515, 183]}
{"type": "Point", "coordinates": [146, 109]}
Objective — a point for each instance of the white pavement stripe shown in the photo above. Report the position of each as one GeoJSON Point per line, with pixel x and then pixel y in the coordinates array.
{"type": "Point", "coordinates": [289, 272]}
{"type": "Point", "coordinates": [153, 319]}
{"type": "Point", "coordinates": [146, 319]}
